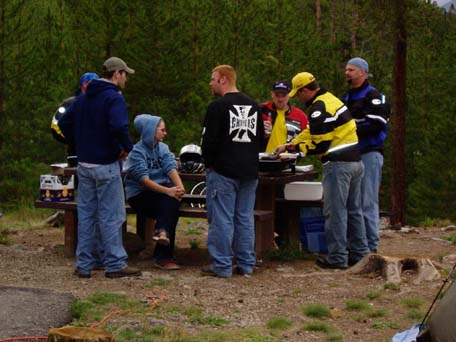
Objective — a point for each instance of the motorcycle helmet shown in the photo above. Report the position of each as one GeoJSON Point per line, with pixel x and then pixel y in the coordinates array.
{"type": "Point", "coordinates": [191, 159]}
{"type": "Point", "coordinates": [63, 107]}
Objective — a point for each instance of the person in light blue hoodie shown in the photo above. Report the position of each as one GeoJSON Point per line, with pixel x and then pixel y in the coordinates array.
{"type": "Point", "coordinates": [153, 186]}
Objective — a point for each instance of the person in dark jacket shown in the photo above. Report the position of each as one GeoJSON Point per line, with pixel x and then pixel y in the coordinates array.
{"type": "Point", "coordinates": [61, 110]}
{"type": "Point", "coordinates": [371, 112]}
{"type": "Point", "coordinates": [231, 140]}
{"type": "Point", "coordinates": [97, 123]}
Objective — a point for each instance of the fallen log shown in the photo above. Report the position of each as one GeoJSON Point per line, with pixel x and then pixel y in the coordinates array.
{"type": "Point", "coordinates": [78, 334]}
{"type": "Point", "coordinates": [392, 268]}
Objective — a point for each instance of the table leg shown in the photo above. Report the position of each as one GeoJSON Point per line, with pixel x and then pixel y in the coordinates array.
{"type": "Point", "coordinates": [71, 233]}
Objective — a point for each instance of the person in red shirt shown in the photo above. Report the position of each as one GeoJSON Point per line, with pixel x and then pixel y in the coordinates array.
{"type": "Point", "coordinates": [282, 122]}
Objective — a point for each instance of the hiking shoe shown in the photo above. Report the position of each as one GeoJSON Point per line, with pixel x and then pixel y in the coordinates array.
{"type": "Point", "coordinates": [126, 272]}
{"type": "Point", "coordinates": [161, 238]}
{"type": "Point", "coordinates": [240, 271]}
{"type": "Point", "coordinates": [82, 274]}
{"type": "Point", "coordinates": [324, 263]}
{"type": "Point", "coordinates": [168, 265]}
{"type": "Point", "coordinates": [207, 271]}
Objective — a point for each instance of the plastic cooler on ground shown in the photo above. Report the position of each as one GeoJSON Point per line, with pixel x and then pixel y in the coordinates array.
{"type": "Point", "coordinates": [312, 230]}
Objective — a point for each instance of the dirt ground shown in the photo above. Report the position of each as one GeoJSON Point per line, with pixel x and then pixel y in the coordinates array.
{"type": "Point", "coordinates": [277, 288]}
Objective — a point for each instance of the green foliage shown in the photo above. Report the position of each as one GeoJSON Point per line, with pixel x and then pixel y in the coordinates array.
{"type": "Point", "coordinates": [194, 244]}
{"type": "Point", "coordinates": [415, 315]}
{"type": "Point", "coordinates": [412, 302]}
{"type": "Point", "coordinates": [318, 326]}
{"type": "Point", "coordinates": [357, 305]}
{"type": "Point", "coordinates": [158, 282]}
{"type": "Point", "coordinates": [392, 286]}
{"type": "Point", "coordinates": [47, 45]}
{"type": "Point", "coordinates": [279, 323]}
{"type": "Point", "coordinates": [451, 238]}
{"type": "Point", "coordinates": [316, 311]}
{"type": "Point", "coordinates": [374, 294]}
{"type": "Point", "coordinates": [385, 325]}
{"type": "Point", "coordinates": [289, 253]}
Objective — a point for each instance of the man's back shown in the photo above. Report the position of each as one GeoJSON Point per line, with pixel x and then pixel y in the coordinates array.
{"type": "Point", "coordinates": [233, 136]}
{"type": "Point", "coordinates": [100, 124]}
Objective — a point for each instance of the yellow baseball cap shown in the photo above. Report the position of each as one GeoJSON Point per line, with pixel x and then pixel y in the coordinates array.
{"type": "Point", "coordinates": [299, 81]}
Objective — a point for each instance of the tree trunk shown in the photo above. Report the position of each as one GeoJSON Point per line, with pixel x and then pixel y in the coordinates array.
{"type": "Point", "coordinates": [392, 268]}
{"type": "Point", "coordinates": [398, 188]}
{"type": "Point", "coordinates": [318, 15]}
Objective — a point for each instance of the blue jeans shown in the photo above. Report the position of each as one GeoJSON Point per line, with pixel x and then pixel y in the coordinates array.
{"type": "Point", "coordinates": [165, 210]}
{"type": "Point", "coordinates": [230, 203]}
{"type": "Point", "coordinates": [101, 203]}
{"type": "Point", "coordinates": [373, 163]}
{"type": "Point", "coordinates": [344, 223]}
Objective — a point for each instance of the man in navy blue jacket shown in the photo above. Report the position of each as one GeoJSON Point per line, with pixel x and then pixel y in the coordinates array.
{"type": "Point", "coordinates": [98, 124]}
{"type": "Point", "coordinates": [371, 112]}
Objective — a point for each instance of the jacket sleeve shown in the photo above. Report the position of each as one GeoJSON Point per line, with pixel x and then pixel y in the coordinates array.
{"type": "Point", "coordinates": [118, 122]}
{"type": "Point", "coordinates": [376, 115]}
{"type": "Point", "coordinates": [317, 137]}
{"type": "Point", "coordinates": [169, 160]}
{"type": "Point", "coordinates": [210, 140]}
{"type": "Point", "coordinates": [136, 166]}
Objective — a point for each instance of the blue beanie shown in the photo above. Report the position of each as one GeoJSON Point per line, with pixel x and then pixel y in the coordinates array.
{"type": "Point", "coordinates": [88, 76]}
{"type": "Point", "coordinates": [360, 63]}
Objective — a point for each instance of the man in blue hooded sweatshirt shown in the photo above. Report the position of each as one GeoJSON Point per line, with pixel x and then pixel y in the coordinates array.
{"type": "Point", "coordinates": [154, 187]}
{"type": "Point", "coordinates": [98, 124]}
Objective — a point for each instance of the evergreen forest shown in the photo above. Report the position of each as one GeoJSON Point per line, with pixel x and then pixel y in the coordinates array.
{"type": "Point", "coordinates": [46, 45]}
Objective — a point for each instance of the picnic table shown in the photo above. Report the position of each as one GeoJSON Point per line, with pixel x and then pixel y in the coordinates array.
{"type": "Point", "coordinates": [268, 197]}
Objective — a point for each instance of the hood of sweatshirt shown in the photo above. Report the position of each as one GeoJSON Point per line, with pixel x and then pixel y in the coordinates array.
{"type": "Point", "coordinates": [100, 85]}
{"type": "Point", "coordinates": [146, 126]}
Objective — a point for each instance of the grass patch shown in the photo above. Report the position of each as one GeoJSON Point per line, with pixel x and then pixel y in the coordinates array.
{"type": "Point", "coordinates": [5, 238]}
{"type": "Point", "coordinates": [192, 314]}
{"type": "Point", "coordinates": [192, 231]}
{"type": "Point", "coordinates": [392, 286]}
{"type": "Point", "coordinates": [316, 311]}
{"type": "Point", "coordinates": [357, 305]}
{"type": "Point", "coordinates": [412, 302]}
{"type": "Point", "coordinates": [377, 313]}
{"type": "Point", "coordinates": [415, 315]}
{"type": "Point", "coordinates": [289, 254]}
{"type": "Point", "coordinates": [318, 326]}
{"type": "Point", "coordinates": [385, 325]}
{"type": "Point", "coordinates": [279, 323]}
{"type": "Point", "coordinates": [451, 238]}
{"type": "Point", "coordinates": [158, 282]}
{"type": "Point", "coordinates": [435, 222]}
{"type": "Point", "coordinates": [194, 244]}
{"type": "Point", "coordinates": [334, 337]}
{"type": "Point", "coordinates": [374, 294]}
{"type": "Point", "coordinates": [95, 307]}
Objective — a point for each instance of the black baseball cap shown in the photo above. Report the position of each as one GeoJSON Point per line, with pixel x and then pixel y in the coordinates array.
{"type": "Point", "coordinates": [281, 87]}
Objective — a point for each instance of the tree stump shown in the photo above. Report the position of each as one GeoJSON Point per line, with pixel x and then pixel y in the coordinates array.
{"type": "Point", "coordinates": [78, 334]}
{"type": "Point", "coordinates": [391, 268]}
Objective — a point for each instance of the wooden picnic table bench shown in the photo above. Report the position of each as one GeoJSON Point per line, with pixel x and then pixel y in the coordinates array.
{"type": "Point", "coordinates": [71, 219]}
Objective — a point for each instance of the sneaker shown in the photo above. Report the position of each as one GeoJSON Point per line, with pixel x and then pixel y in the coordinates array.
{"type": "Point", "coordinates": [169, 265]}
{"type": "Point", "coordinates": [86, 274]}
{"type": "Point", "coordinates": [161, 238]}
{"type": "Point", "coordinates": [207, 271]}
{"type": "Point", "coordinates": [324, 263]}
{"type": "Point", "coordinates": [126, 272]}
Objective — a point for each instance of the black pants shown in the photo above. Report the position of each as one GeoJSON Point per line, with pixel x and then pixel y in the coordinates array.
{"type": "Point", "coordinates": [165, 210]}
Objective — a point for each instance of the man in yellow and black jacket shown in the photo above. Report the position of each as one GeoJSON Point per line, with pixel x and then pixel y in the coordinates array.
{"type": "Point", "coordinates": [331, 133]}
